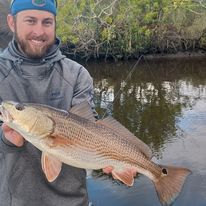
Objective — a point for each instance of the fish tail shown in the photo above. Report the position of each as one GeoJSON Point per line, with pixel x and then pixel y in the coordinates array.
{"type": "Point", "coordinates": [170, 184]}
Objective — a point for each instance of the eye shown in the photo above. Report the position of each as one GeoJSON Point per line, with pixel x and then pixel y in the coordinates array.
{"type": "Point", "coordinates": [30, 21]}
{"type": "Point", "coordinates": [48, 22]}
{"type": "Point", "coordinates": [20, 107]}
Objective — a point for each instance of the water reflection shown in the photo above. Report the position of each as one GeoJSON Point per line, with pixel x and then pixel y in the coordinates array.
{"type": "Point", "coordinates": [163, 103]}
{"type": "Point", "coordinates": [153, 97]}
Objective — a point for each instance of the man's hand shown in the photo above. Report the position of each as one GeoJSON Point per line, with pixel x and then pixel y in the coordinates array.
{"type": "Point", "coordinates": [108, 169]}
{"type": "Point", "coordinates": [12, 136]}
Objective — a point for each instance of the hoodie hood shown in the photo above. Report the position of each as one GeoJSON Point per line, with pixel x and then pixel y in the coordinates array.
{"type": "Point", "coordinates": [32, 67]}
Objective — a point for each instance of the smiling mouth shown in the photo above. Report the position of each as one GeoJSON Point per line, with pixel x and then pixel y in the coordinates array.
{"type": "Point", "coordinates": [38, 42]}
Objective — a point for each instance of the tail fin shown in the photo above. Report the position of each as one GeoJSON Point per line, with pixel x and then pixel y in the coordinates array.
{"type": "Point", "coordinates": [170, 183]}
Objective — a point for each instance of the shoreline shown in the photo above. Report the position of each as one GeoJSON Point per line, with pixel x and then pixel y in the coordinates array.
{"type": "Point", "coordinates": [178, 55]}
{"type": "Point", "coordinates": [155, 56]}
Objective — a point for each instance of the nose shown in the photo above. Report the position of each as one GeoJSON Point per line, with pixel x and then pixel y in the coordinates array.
{"type": "Point", "coordinates": [38, 29]}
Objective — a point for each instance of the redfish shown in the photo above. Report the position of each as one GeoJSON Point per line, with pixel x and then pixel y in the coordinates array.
{"type": "Point", "coordinates": [76, 138]}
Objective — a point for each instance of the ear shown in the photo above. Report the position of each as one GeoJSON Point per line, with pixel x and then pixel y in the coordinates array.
{"type": "Point", "coordinates": [10, 21]}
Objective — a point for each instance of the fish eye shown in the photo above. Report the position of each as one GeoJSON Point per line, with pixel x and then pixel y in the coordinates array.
{"type": "Point", "coordinates": [20, 107]}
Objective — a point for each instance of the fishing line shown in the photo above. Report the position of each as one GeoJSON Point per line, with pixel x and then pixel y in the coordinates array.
{"type": "Point", "coordinates": [108, 107]}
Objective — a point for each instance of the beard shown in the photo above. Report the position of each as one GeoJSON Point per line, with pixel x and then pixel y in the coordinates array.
{"type": "Point", "coordinates": [31, 50]}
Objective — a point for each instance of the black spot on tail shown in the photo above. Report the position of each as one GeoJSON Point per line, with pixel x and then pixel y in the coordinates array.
{"type": "Point", "coordinates": [164, 171]}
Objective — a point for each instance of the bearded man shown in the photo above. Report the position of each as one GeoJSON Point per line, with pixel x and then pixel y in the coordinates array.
{"type": "Point", "coordinates": [33, 69]}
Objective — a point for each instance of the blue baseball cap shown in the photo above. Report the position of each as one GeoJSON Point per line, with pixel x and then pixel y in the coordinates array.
{"type": "Point", "coordinates": [44, 5]}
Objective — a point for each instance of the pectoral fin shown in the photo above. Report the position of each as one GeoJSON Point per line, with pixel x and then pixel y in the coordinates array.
{"type": "Point", "coordinates": [51, 167]}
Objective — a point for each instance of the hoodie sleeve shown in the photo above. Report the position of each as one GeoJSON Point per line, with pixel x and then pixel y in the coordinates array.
{"type": "Point", "coordinates": [84, 90]}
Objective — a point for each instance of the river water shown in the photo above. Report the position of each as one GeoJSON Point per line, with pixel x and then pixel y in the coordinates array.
{"type": "Point", "coordinates": [163, 102]}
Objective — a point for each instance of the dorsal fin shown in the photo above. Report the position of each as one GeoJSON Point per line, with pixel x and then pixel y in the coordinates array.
{"type": "Point", "coordinates": [83, 110]}
{"type": "Point", "coordinates": [113, 124]}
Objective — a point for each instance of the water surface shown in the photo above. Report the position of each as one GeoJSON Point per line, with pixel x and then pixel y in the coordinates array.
{"type": "Point", "coordinates": [163, 103]}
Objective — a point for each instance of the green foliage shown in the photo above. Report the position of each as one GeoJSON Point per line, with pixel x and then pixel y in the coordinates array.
{"type": "Point", "coordinates": [119, 28]}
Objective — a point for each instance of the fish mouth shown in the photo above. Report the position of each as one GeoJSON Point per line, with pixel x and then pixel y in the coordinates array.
{"type": "Point", "coordinates": [5, 116]}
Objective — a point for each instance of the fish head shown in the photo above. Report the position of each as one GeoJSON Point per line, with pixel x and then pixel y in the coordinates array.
{"type": "Point", "coordinates": [25, 119]}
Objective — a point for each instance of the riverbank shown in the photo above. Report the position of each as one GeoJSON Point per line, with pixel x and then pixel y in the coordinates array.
{"type": "Point", "coordinates": [178, 55]}
{"type": "Point", "coordinates": [148, 56]}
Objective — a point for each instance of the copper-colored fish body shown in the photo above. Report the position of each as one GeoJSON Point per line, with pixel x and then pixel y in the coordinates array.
{"type": "Point", "coordinates": [77, 139]}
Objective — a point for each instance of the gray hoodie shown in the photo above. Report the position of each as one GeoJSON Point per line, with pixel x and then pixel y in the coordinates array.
{"type": "Point", "coordinates": [56, 81]}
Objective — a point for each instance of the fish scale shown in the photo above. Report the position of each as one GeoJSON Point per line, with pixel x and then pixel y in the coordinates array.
{"type": "Point", "coordinates": [84, 140]}
{"type": "Point", "coordinates": [102, 140]}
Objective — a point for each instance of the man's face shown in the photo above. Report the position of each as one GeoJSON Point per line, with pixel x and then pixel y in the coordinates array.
{"type": "Point", "coordinates": [34, 31]}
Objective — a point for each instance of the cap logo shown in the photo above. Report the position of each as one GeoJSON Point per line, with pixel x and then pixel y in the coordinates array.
{"type": "Point", "coordinates": [39, 2]}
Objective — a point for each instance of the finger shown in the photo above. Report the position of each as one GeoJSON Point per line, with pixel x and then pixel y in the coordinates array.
{"type": "Point", "coordinates": [5, 127]}
{"type": "Point", "coordinates": [108, 169]}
